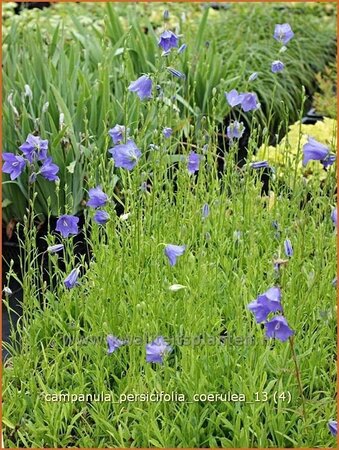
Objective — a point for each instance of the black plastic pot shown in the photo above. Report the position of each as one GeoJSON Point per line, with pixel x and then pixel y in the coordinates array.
{"type": "Point", "coordinates": [11, 252]}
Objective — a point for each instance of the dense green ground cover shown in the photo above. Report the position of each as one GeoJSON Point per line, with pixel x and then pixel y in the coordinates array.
{"type": "Point", "coordinates": [127, 287]}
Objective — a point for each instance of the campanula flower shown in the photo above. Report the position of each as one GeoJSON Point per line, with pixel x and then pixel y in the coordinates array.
{"type": "Point", "coordinates": [259, 165]}
{"type": "Point", "coordinates": [233, 98]}
{"type": "Point", "coordinates": [166, 14]}
{"type": "Point", "coordinates": [277, 66]}
{"type": "Point", "coordinates": [334, 282]}
{"type": "Point", "coordinates": [269, 301]}
{"type": "Point", "coordinates": [168, 40]}
{"type": "Point", "coordinates": [167, 132]}
{"type": "Point", "coordinates": [35, 148]}
{"type": "Point", "coordinates": [72, 279]}
{"type": "Point", "coordinates": [176, 72]}
{"type": "Point", "coordinates": [55, 248]}
{"type": "Point", "coordinates": [113, 343]}
{"type": "Point", "coordinates": [67, 225]}
{"type": "Point", "coordinates": [97, 197]}
{"type": "Point", "coordinates": [205, 211]}
{"type": "Point", "coordinates": [334, 216]}
{"type": "Point", "coordinates": [283, 33]}
{"type": "Point", "coordinates": [332, 426]}
{"type": "Point", "coordinates": [49, 170]}
{"type": "Point", "coordinates": [288, 248]}
{"type": "Point", "coordinates": [126, 155]}
{"type": "Point", "coordinates": [235, 130]}
{"type": "Point", "coordinates": [117, 133]}
{"type": "Point", "coordinates": [156, 350]}
{"type": "Point", "coordinates": [278, 328]}
{"type": "Point", "coordinates": [101, 217]}
{"type": "Point", "coordinates": [14, 165]}
{"type": "Point", "coordinates": [193, 162]}
{"type": "Point", "coordinates": [173, 251]}
{"type": "Point", "coordinates": [249, 102]}
{"type": "Point", "coordinates": [314, 150]}
{"type": "Point", "coordinates": [142, 87]}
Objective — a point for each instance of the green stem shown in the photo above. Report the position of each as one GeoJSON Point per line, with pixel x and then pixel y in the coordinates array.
{"type": "Point", "coordinates": [298, 375]}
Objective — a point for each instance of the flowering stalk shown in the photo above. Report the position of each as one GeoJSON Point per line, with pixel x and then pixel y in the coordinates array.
{"type": "Point", "coordinates": [298, 375]}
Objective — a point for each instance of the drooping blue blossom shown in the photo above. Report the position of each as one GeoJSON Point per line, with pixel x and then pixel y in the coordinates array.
{"type": "Point", "coordinates": [334, 216]}
{"type": "Point", "coordinates": [125, 155]}
{"type": "Point", "coordinates": [288, 248]}
{"type": "Point", "coordinates": [283, 33]}
{"type": "Point", "coordinates": [334, 282]}
{"type": "Point", "coordinates": [117, 133]}
{"type": "Point", "coordinates": [113, 343]}
{"type": "Point", "coordinates": [182, 48]}
{"type": "Point", "coordinates": [173, 251]}
{"type": "Point", "coordinates": [205, 211]}
{"type": "Point", "coordinates": [266, 303]}
{"type": "Point", "coordinates": [233, 98]}
{"type": "Point", "coordinates": [101, 217]}
{"type": "Point", "coordinates": [72, 279]}
{"type": "Point", "coordinates": [277, 66]}
{"type": "Point", "coordinates": [14, 165]}
{"type": "Point", "coordinates": [259, 165]}
{"type": "Point", "coordinates": [332, 426]}
{"type": "Point", "coordinates": [49, 170]}
{"type": "Point", "coordinates": [55, 248]}
{"type": "Point", "coordinates": [67, 225]}
{"type": "Point", "coordinates": [193, 162]}
{"type": "Point", "coordinates": [167, 132]}
{"type": "Point", "coordinates": [249, 102]}
{"type": "Point", "coordinates": [176, 73]}
{"type": "Point", "coordinates": [156, 350]}
{"type": "Point", "coordinates": [314, 150]}
{"type": "Point", "coordinates": [166, 14]}
{"type": "Point", "coordinates": [235, 130]}
{"type": "Point", "coordinates": [277, 328]}
{"type": "Point", "coordinates": [97, 197]}
{"type": "Point", "coordinates": [34, 148]}
{"type": "Point", "coordinates": [168, 40]}
{"type": "Point", "coordinates": [142, 87]}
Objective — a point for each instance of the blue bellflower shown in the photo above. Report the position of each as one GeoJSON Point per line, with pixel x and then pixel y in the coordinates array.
{"type": "Point", "coordinates": [156, 350]}
{"type": "Point", "coordinates": [126, 155]}
{"type": "Point", "coordinates": [142, 87]}
{"type": "Point", "coordinates": [277, 328]}
{"type": "Point", "coordinates": [168, 40]}
{"type": "Point", "coordinates": [167, 132]}
{"type": "Point", "coordinates": [67, 225]}
{"type": "Point", "coordinates": [72, 279]}
{"type": "Point", "coordinates": [288, 248]}
{"type": "Point", "coordinates": [314, 150]}
{"type": "Point", "coordinates": [49, 170]}
{"type": "Point", "coordinates": [34, 148]}
{"type": "Point", "coordinates": [283, 33]}
{"type": "Point", "coordinates": [101, 217]}
{"type": "Point", "coordinates": [14, 165]}
{"type": "Point", "coordinates": [97, 197]}
{"type": "Point", "coordinates": [332, 426]}
{"type": "Point", "coordinates": [117, 133]}
{"type": "Point", "coordinates": [277, 66]}
{"type": "Point", "coordinates": [266, 303]}
{"type": "Point", "coordinates": [113, 343]}
{"type": "Point", "coordinates": [193, 162]}
{"type": "Point", "coordinates": [173, 251]}
{"type": "Point", "coordinates": [235, 130]}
